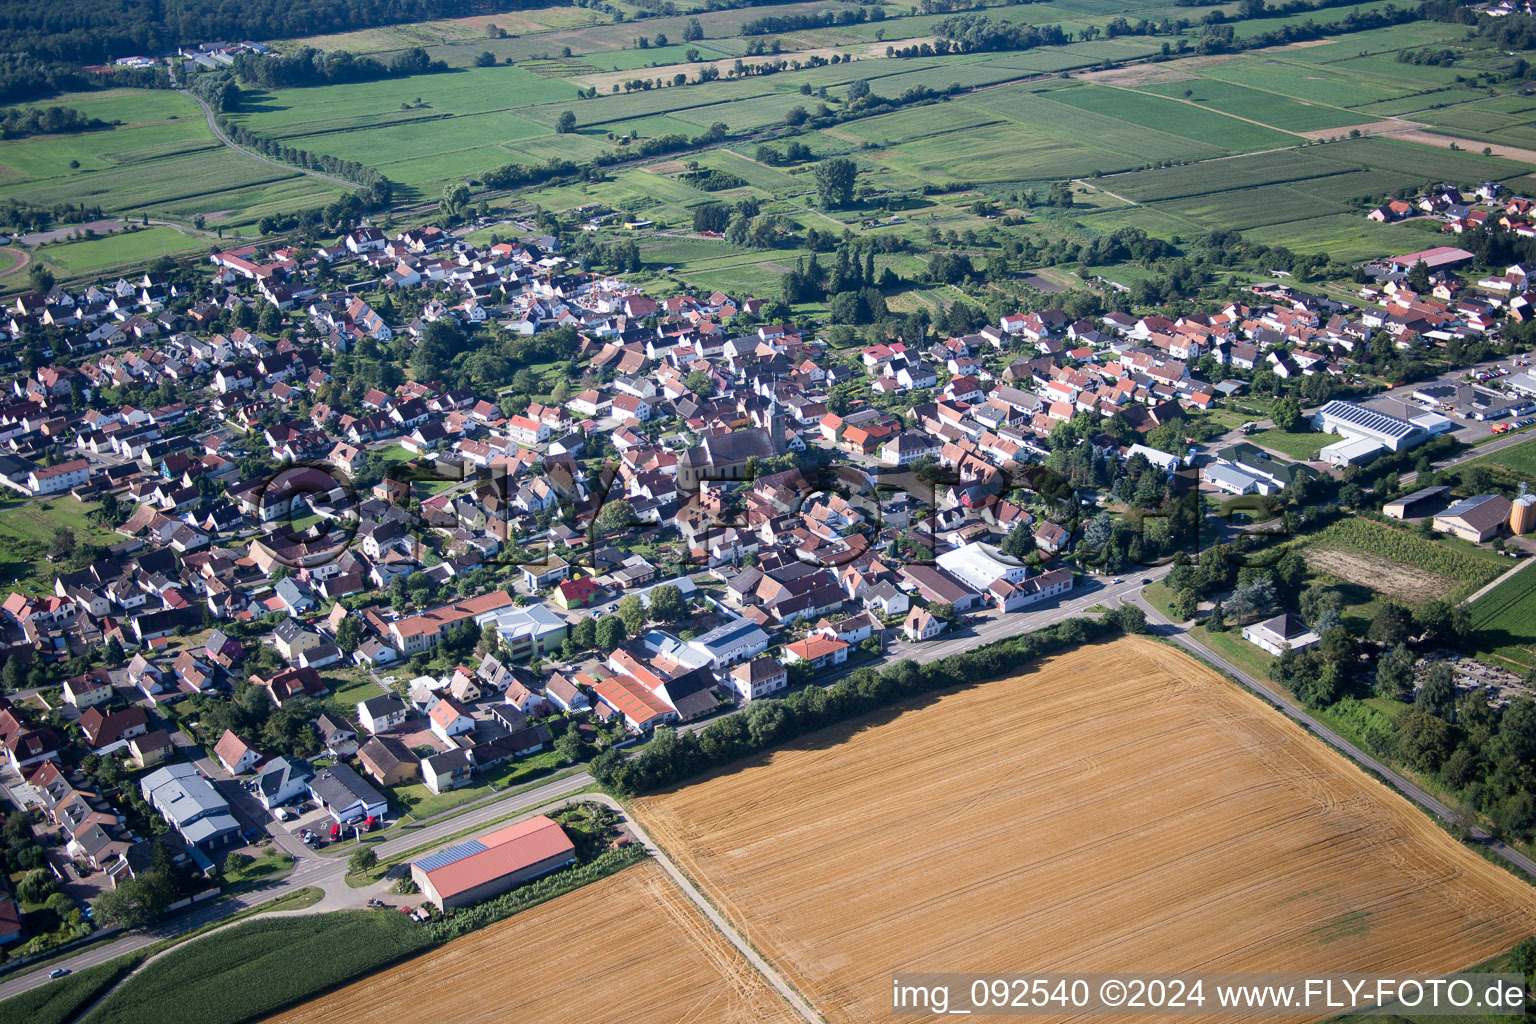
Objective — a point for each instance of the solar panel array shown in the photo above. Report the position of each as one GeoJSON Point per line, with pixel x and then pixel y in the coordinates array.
{"type": "Point", "coordinates": [1367, 419]}
{"type": "Point", "coordinates": [449, 856]}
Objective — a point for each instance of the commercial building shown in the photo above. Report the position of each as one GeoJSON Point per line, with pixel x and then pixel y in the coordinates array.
{"type": "Point", "coordinates": [1475, 519]}
{"type": "Point", "coordinates": [346, 794]}
{"type": "Point", "coordinates": [494, 863]}
{"type": "Point", "coordinates": [1358, 421]}
{"type": "Point", "coordinates": [529, 631]}
{"type": "Point", "coordinates": [192, 806]}
{"type": "Point", "coordinates": [1433, 259]}
{"type": "Point", "coordinates": [416, 633]}
{"type": "Point", "coordinates": [1352, 451]}
{"type": "Point", "coordinates": [977, 567]}
{"type": "Point", "coordinates": [1420, 503]}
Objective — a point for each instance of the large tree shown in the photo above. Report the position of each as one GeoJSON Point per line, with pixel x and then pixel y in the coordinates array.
{"type": "Point", "coordinates": [135, 900]}
{"type": "Point", "coordinates": [610, 632]}
{"type": "Point", "coordinates": [834, 181]}
{"type": "Point", "coordinates": [632, 611]}
{"type": "Point", "coordinates": [667, 604]}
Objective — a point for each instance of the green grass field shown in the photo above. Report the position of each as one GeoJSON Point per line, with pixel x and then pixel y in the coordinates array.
{"type": "Point", "coordinates": [1016, 129]}
{"type": "Point", "coordinates": [258, 967]}
{"type": "Point", "coordinates": [1301, 446]}
{"type": "Point", "coordinates": [26, 532]}
{"type": "Point", "coordinates": [1520, 458]}
{"type": "Point", "coordinates": [61, 1000]}
{"type": "Point", "coordinates": [1504, 620]}
{"type": "Point", "coordinates": [120, 249]}
{"type": "Point", "coordinates": [161, 160]}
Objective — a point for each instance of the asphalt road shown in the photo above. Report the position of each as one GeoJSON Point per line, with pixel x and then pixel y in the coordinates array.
{"type": "Point", "coordinates": [328, 872]}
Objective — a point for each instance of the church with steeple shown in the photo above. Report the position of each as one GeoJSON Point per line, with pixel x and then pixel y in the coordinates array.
{"type": "Point", "coordinates": [724, 456]}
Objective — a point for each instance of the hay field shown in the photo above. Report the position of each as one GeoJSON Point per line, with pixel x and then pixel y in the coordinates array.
{"type": "Point", "coordinates": [1120, 808]}
{"type": "Point", "coordinates": [629, 949]}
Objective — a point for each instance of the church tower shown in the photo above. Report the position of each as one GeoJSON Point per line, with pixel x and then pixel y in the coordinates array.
{"type": "Point", "coordinates": [775, 423]}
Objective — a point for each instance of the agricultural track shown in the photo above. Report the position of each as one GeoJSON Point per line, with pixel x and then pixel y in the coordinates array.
{"type": "Point", "coordinates": [218, 133]}
{"type": "Point", "coordinates": [1118, 803]}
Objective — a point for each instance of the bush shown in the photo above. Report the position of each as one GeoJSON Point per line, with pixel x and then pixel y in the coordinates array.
{"type": "Point", "coordinates": [465, 920]}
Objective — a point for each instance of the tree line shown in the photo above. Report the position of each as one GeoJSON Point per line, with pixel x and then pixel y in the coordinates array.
{"type": "Point", "coordinates": [26, 77]}
{"type": "Point", "coordinates": [16, 122]}
{"type": "Point", "coordinates": [309, 66]}
{"type": "Point", "coordinates": [674, 756]}
{"type": "Point", "coordinates": [87, 31]}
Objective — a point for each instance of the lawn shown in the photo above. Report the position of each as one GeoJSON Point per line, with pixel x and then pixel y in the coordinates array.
{"type": "Point", "coordinates": [347, 690]}
{"type": "Point", "coordinates": [120, 249]}
{"type": "Point", "coordinates": [272, 864]}
{"type": "Point", "coordinates": [1504, 620]}
{"type": "Point", "coordinates": [1230, 644]}
{"type": "Point", "coordinates": [1299, 445]}
{"type": "Point", "coordinates": [422, 803]}
{"type": "Point", "coordinates": [26, 531]}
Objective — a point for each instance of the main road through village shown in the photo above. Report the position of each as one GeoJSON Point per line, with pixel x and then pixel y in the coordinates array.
{"type": "Point", "coordinates": [327, 872]}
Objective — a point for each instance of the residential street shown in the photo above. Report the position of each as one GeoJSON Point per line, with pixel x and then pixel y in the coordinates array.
{"type": "Point", "coordinates": [328, 872]}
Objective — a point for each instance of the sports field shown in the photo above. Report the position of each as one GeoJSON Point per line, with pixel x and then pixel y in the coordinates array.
{"type": "Point", "coordinates": [629, 949]}
{"type": "Point", "coordinates": [1077, 818]}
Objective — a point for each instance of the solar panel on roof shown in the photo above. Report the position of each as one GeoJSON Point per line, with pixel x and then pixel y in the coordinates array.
{"type": "Point", "coordinates": [457, 853]}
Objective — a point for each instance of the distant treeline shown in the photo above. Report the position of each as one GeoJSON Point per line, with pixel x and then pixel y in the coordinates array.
{"type": "Point", "coordinates": [93, 31]}
{"type": "Point", "coordinates": [24, 77]}
{"type": "Point", "coordinates": [16, 122]}
{"type": "Point", "coordinates": [89, 31]}
{"type": "Point", "coordinates": [975, 33]}
{"type": "Point", "coordinates": [309, 66]}
{"type": "Point", "coordinates": [1223, 39]}
{"type": "Point", "coordinates": [18, 216]}
{"type": "Point", "coordinates": [803, 22]}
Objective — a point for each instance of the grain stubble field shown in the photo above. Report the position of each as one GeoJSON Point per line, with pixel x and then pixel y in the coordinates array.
{"type": "Point", "coordinates": [629, 949]}
{"type": "Point", "coordinates": [1122, 808]}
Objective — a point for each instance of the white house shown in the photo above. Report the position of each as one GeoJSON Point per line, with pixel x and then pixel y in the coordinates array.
{"type": "Point", "coordinates": [1276, 634]}
{"type": "Point", "coordinates": [236, 755]}
{"type": "Point", "coordinates": [449, 719]}
{"type": "Point", "coordinates": [378, 714]}
{"type": "Point", "coordinates": [758, 678]}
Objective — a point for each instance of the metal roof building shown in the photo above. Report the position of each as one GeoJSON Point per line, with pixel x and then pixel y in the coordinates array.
{"type": "Point", "coordinates": [1355, 421]}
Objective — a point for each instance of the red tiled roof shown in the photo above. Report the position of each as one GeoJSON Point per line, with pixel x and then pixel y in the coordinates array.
{"type": "Point", "coordinates": [507, 850]}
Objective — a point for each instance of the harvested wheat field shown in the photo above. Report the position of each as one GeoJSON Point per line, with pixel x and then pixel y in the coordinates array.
{"type": "Point", "coordinates": [1121, 808]}
{"type": "Point", "coordinates": [628, 949]}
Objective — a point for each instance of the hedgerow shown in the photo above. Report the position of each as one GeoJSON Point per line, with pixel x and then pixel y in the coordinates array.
{"type": "Point", "coordinates": [673, 756]}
